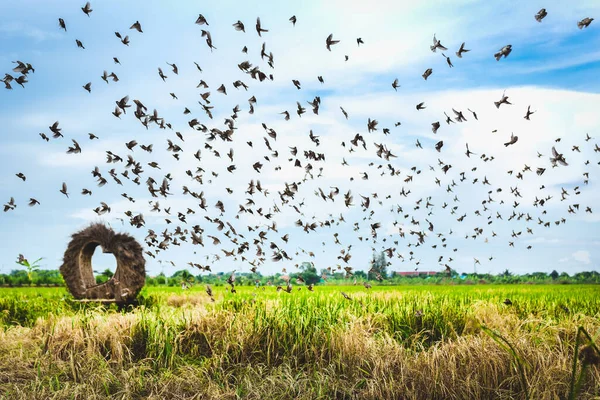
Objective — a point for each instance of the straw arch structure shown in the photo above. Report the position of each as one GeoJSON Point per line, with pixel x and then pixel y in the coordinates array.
{"type": "Point", "coordinates": [129, 277]}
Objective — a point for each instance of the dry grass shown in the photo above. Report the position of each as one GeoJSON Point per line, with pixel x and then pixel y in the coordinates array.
{"type": "Point", "coordinates": [188, 348]}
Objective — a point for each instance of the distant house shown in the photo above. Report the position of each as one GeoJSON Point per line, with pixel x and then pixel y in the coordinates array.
{"type": "Point", "coordinates": [416, 273]}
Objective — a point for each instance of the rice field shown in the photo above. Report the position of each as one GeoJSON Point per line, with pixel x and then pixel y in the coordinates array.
{"type": "Point", "coordinates": [389, 342]}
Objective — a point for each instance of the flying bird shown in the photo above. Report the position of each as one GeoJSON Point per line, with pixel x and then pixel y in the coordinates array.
{"type": "Point", "coordinates": [259, 28]}
{"type": "Point", "coordinates": [330, 42]}
{"type": "Point", "coordinates": [427, 73]}
{"type": "Point", "coordinates": [513, 140]}
{"type": "Point", "coordinates": [503, 100]}
{"type": "Point", "coordinates": [505, 51]}
{"type": "Point", "coordinates": [461, 50]}
{"type": "Point", "coordinates": [201, 20]}
{"type": "Point", "coordinates": [437, 45]}
{"type": "Point", "coordinates": [529, 112]}
{"type": "Point", "coordinates": [87, 9]}
{"type": "Point", "coordinates": [239, 26]}
{"type": "Point", "coordinates": [584, 23]}
{"type": "Point", "coordinates": [541, 15]}
{"type": "Point", "coordinates": [137, 26]}
{"type": "Point", "coordinates": [557, 158]}
{"type": "Point", "coordinates": [63, 189]}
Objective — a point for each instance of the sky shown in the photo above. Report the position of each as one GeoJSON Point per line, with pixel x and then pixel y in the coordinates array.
{"type": "Point", "coordinates": [553, 68]}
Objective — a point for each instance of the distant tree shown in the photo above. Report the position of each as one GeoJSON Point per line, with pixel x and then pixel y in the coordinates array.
{"type": "Point", "coordinates": [108, 273]}
{"type": "Point", "coordinates": [554, 275]}
{"type": "Point", "coordinates": [383, 264]}
{"type": "Point", "coordinates": [378, 266]}
{"type": "Point", "coordinates": [48, 277]}
{"type": "Point", "coordinates": [185, 278]}
{"type": "Point", "coordinates": [309, 273]}
{"type": "Point", "coordinates": [506, 273]}
{"type": "Point", "coordinates": [360, 274]}
{"type": "Point", "coordinates": [19, 277]}
{"type": "Point", "coordinates": [172, 282]}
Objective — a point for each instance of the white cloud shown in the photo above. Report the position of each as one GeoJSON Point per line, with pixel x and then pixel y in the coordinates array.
{"type": "Point", "coordinates": [19, 29]}
{"type": "Point", "coordinates": [582, 256]}
{"type": "Point", "coordinates": [542, 239]}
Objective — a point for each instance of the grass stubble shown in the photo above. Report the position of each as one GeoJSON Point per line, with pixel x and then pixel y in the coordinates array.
{"type": "Point", "coordinates": [387, 343]}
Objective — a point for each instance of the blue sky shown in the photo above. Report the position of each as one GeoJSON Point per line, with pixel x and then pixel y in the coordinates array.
{"type": "Point", "coordinates": [553, 68]}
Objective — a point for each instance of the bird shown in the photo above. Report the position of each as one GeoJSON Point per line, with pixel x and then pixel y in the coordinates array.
{"type": "Point", "coordinates": [469, 152]}
{"type": "Point", "coordinates": [11, 205]}
{"type": "Point", "coordinates": [209, 41]}
{"type": "Point", "coordinates": [239, 26]}
{"type": "Point", "coordinates": [174, 68]}
{"type": "Point", "coordinates": [259, 28]}
{"type": "Point", "coordinates": [395, 84]}
{"type": "Point", "coordinates": [448, 60]}
{"type": "Point", "coordinates": [344, 112]}
{"type": "Point", "coordinates": [459, 115]}
{"type": "Point", "coordinates": [503, 100]}
{"type": "Point", "coordinates": [529, 112]}
{"type": "Point", "coordinates": [437, 45]}
{"type": "Point", "coordinates": [61, 23]}
{"type": "Point", "coordinates": [584, 23]}
{"type": "Point", "coordinates": [56, 131]}
{"type": "Point", "coordinates": [79, 44]}
{"type": "Point", "coordinates": [513, 140]}
{"type": "Point", "coordinates": [504, 51]}
{"type": "Point", "coordinates": [201, 20]}
{"type": "Point", "coordinates": [557, 158]}
{"type": "Point", "coordinates": [293, 20]}
{"type": "Point", "coordinates": [88, 87]}
{"type": "Point", "coordinates": [541, 15]}
{"type": "Point", "coordinates": [87, 9]}
{"type": "Point", "coordinates": [330, 42]}
{"type": "Point", "coordinates": [461, 50]}
{"type": "Point", "coordinates": [137, 26]}
{"type": "Point", "coordinates": [427, 73]}
{"type": "Point", "coordinates": [63, 189]}
{"type": "Point", "coordinates": [75, 149]}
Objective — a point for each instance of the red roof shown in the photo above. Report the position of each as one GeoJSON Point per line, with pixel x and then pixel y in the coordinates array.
{"type": "Point", "coordinates": [415, 273]}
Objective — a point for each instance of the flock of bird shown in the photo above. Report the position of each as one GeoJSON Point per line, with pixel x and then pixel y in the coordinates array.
{"type": "Point", "coordinates": [251, 245]}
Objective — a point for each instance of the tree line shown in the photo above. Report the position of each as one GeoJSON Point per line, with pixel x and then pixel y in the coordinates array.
{"type": "Point", "coordinates": [308, 274]}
